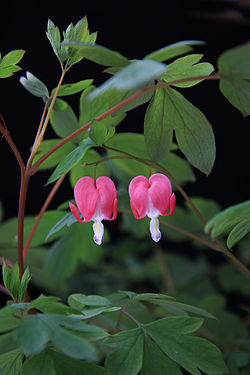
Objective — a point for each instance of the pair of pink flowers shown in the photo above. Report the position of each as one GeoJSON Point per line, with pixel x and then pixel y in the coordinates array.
{"type": "Point", "coordinates": [97, 201]}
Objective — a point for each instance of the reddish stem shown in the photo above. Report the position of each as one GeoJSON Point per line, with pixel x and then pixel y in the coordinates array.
{"type": "Point", "coordinates": [40, 215]}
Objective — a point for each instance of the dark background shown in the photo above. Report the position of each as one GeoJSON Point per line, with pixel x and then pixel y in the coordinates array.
{"type": "Point", "coordinates": [134, 29]}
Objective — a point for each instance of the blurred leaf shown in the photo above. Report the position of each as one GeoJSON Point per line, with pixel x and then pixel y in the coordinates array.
{"type": "Point", "coordinates": [75, 245]}
{"type": "Point", "coordinates": [193, 131]}
{"type": "Point", "coordinates": [11, 362]}
{"type": "Point", "coordinates": [186, 67]}
{"type": "Point", "coordinates": [98, 54]}
{"type": "Point", "coordinates": [91, 300]}
{"type": "Point", "coordinates": [234, 220]}
{"type": "Point", "coordinates": [233, 281]}
{"type": "Point", "coordinates": [158, 132]}
{"type": "Point", "coordinates": [173, 50]}
{"type": "Point", "coordinates": [48, 220]}
{"type": "Point", "coordinates": [8, 63]}
{"type": "Point", "coordinates": [99, 133]}
{"type": "Point", "coordinates": [72, 88]}
{"type": "Point", "coordinates": [71, 160]}
{"type": "Point", "coordinates": [35, 86]}
{"type": "Point", "coordinates": [63, 119]}
{"type": "Point", "coordinates": [36, 331]}
{"type": "Point", "coordinates": [50, 362]}
{"type": "Point", "coordinates": [234, 69]}
{"type": "Point", "coordinates": [54, 158]}
{"type": "Point", "coordinates": [133, 77]}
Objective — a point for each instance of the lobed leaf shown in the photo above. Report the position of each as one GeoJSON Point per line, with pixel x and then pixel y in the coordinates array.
{"type": "Point", "coordinates": [8, 63]}
{"type": "Point", "coordinates": [187, 67]}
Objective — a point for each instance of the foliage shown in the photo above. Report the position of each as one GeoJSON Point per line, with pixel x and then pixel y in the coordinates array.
{"type": "Point", "coordinates": [127, 307]}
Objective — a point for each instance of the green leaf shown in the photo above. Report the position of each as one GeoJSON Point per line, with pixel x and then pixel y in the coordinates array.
{"type": "Point", "coordinates": [73, 88]}
{"type": "Point", "coordinates": [193, 131]}
{"type": "Point", "coordinates": [66, 220]}
{"type": "Point", "coordinates": [186, 67]}
{"type": "Point", "coordinates": [91, 300]}
{"type": "Point", "coordinates": [133, 77]}
{"type": "Point", "coordinates": [88, 170]}
{"type": "Point", "coordinates": [234, 69]}
{"type": "Point", "coordinates": [173, 50]}
{"type": "Point", "coordinates": [192, 353]}
{"type": "Point", "coordinates": [98, 54]}
{"type": "Point", "coordinates": [34, 333]}
{"type": "Point", "coordinates": [48, 220]}
{"type": "Point", "coordinates": [99, 133]}
{"type": "Point", "coordinates": [63, 119]}
{"type": "Point", "coordinates": [11, 280]}
{"type": "Point", "coordinates": [57, 156]}
{"type": "Point", "coordinates": [24, 284]}
{"type": "Point", "coordinates": [11, 362]}
{"type": "Point", "coordinates": [71, 160]}
{"type": "Point", "coordinates": [234, 220]}
{"type": "Point", "coordinates": [160, 347]}
{"type": "Point", "coordinates": [90, 110]}
{"type": "Point", "coordinates": [156, 362]}
{"type": "Point", "coordinates": [35, 86]}
{"type": "Point", "coordinates": [79, 239]}
{"type": "Point", "coordinates": [127, 356]}
{"type": "Point", "coordinates": [8, 63]}
{"type": "Point", "coordinates": [158, 131]}
{"type": "Point", "coordinates": [50, 362]}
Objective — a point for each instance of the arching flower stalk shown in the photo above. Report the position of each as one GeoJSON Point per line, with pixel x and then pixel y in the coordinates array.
{"type": "Point", "coordinates": [96, 201]}
{"type": "Point", "coordinates": [152, 197]}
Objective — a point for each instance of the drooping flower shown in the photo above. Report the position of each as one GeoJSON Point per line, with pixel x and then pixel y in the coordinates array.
{"type": "Point", "coordinates": [152, 197]}
{"type": "Point", "coordinates": [96, 201]}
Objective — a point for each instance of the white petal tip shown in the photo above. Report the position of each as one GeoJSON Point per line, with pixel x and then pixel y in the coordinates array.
{"type": "Point", "coordinates": [154, 230]}
{"type": "Point", "coordinates": [98, 232]}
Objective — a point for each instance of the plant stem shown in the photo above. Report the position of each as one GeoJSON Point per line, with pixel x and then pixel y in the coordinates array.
{"type": "Point", "coordinates": [40, 215]}
{"type": "Point", "coordinates": [132, 318]}
{"type": "Point", "coordinates": [12, 145]}
{"type": "Point", "coordinates": [21, 213]}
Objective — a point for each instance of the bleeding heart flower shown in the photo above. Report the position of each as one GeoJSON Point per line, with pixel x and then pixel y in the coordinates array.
{"type": "Point", "coordinates": [152, 197]}
{"type": "Point", "coordinates": [96, 201]}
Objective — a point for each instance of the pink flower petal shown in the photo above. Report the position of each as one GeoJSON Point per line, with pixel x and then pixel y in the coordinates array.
{"type": "Point", "coordinates": [160, 192]}
{"type": "Point", "coordinates": [172, 205]}
{"type": "Point", "coordinates": [75, 212]}
{"type": "Point", "coordinates": [138, 192]}
{"type": "Point", "coordinates": [86, 197]}
{"type": "Point", "coordinates": [107, 197]}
